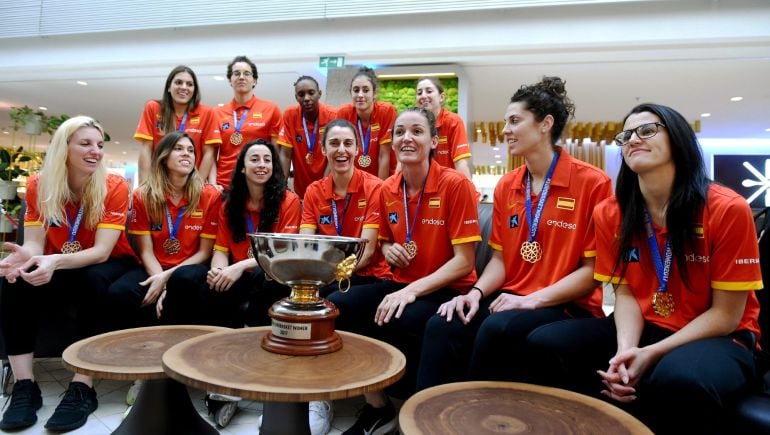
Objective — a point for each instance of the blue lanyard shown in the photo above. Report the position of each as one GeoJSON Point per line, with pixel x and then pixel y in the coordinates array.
{"type": "Point", "coordinates": [365, 139]}
{"type": "Point", "coordinates": [337, 221]}
{"type": "Point", "coordinates": [74, 226]}
{"type": "Point", "coordinates": [183, 123]}
{"type": "Point", "coordinates": [172, 229]}
{"type": "Point", "coordinates": [410, 228]}
{"type": "Point", "coordinates": [310, 139]}
{"type": "Point", "coordinates": [534, 222]}
{"type": "Point", "coordinates": [238, 123]}
{"type": "Point", "coordinates": [250, 223]}
{"type": "Point", "coordinates": [662, 266]}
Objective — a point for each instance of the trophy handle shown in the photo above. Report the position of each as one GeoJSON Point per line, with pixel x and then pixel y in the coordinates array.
{"type": "Point", "coordinates": [345, 270]}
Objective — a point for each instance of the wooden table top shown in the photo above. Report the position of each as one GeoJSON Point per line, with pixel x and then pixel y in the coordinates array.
{"type": "Point", "coordinates": [234, 363]}
{"type": "Point", "coordinates": [129, 354]}
{"type": "Point", "coordinates": [511, 408]}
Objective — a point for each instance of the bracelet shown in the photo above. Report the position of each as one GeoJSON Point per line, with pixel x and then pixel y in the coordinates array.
{"type": "Point", "coordinates": [480, 291]}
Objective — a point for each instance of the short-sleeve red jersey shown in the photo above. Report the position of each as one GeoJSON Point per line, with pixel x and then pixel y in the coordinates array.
{"type": "Point", "coordinates": [263, 121]}
{"type": "Point", "coordinates": [448, 216]}
{"type": "Point", "coordinates": [363, 211]}
{"type": "Point", "coordinates": [724, 256]}
{"type": "Point", "coordinates": [292, 135]}
{"type": "Point", "coordinates": [201, 223]}
{"type": "Point", "coordinates": [201, 126]}
{"type": "Point", "coordinates": [381, 123]}
{"type": "Point", "coordinates": [288, 222]}
{"type": "Point", "coordinates": [565, 232]}
{"type": "Point", "coordinates": [114, 217]}
{"type": "Point", "coordinates": [453, 142]}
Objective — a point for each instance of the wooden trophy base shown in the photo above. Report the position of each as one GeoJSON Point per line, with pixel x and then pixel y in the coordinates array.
{"type": "Point", "coordinates": [300, 329]}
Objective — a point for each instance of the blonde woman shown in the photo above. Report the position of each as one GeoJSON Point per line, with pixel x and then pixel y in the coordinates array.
{"type": "Point", "coordinates": [74, 233]}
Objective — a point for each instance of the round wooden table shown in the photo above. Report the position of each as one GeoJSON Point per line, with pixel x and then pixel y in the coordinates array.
{"type": "Point", "coordinates": [511, 408]}
{"type": "Point", "coordinates": [162, 406]}
{"type": "Point", "coordinates": [234, 363]}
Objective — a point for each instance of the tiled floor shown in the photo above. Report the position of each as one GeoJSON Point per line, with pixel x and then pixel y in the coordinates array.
{"type": "Point", "coordinates": [53, 378]}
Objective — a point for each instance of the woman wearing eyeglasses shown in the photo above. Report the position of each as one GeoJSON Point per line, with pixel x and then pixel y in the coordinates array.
{"type": "Point", "coordinates": [180, 109]}
{"type": "Point", "coordinates": [244, 119]}
{"type": "Point", "coordinates": [682, 254]}
{"type": "Point", "coordinates": [541, 270]}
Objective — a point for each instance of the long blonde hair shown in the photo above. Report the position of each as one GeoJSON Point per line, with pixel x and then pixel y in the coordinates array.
{"type": "Point", "coordinates": [153, 189]}
{"type": "Point", "coordinates": [54, 191]}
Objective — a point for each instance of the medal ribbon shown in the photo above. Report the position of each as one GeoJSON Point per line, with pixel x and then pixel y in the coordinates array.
{"type": "Point", "coordinates": [534, 221]}
{"type": "Point", "coordinates": [662, 266]}
{"type": "Point", "coordinates": [238, 123]}
{"type": "Point", "coordinates": [75, 226]}
{"type": "Point", "coordinates": [183, 123]}
{"type": "Point", "coordinates": [250, 223]}
{"type": "Point", "coordinates": [310, 140]}
{"type": "Point", "coordinates": [364, 139]}
{"type": "Point", "coordinates": [338, 222]}
{"type": "Point", "coordinates": [172, 229]}
{"type": "Point", "coordinates": [410, 228]}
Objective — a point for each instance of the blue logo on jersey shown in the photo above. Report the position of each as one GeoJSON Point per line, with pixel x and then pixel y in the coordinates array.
{"type": "Point", "coordinates": [299, 138]}
{"type": "Point", "coordinates": [158, 125]}
{"type": "Point", "coordinates": [325, 220]}
{"type": "Point", "coordinates": [513, 222]}
{"type": "Point", "coordinates": [632, 255]}
{"type": "Point", "coordinates": [225, 126]}
{"type": "Point", "coordinates": [393, 217]}
{"type": "Point", "coordinates": [156, 227]}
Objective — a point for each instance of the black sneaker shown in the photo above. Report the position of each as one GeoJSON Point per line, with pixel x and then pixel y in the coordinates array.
{"type": "Point", "coordinates": [79, 401]}
{"type": "Point", "coordinates": [25, 401]}
{"type": "Point", "coordinates": [374, 421]}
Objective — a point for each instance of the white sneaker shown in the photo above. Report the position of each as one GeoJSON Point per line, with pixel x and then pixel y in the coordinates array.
{"type": "Point", "coordinates": [321, 414]}
{"type": "Point", "coordinates": [133, 391]}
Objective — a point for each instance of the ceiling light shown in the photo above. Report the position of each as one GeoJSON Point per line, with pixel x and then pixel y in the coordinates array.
{"type": "Point", "coordinates": [705, 115]}
{"type": "Point", "coordinates": [117, 142]}
{"type": "Point", "coordinates": [736, 98]}
{"type": "Point", "coordinates": [497, 156]}
{"type": "Point", "coordinates": [42, 108]}
{"type": "Point", "coordinates": [219, 78]}
{"type": "Point", "coordinates": [221, 104]}
{"type": "Point", "coordinates": [767, 129]}
{"type": "Point", "coordinates": [82, 83]}
{"type": "Point", "coordinates": [7, 132]}
{"type": "Point", "coordinates": [498, 161]}
{"type": "Point", "coordinates": [124, 153]}
{"type": "Point", "coordinates": [496, 149]}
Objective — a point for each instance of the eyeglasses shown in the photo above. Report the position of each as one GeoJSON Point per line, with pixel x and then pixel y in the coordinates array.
{"type": "Point", "coordinates": [246, 74]}
{"type": "Point", "coordinates": [644, 131]}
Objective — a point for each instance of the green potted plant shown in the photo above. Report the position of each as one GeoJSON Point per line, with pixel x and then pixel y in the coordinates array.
{"type": "Point", "coordinates": [10, 169]}
{"type": "Point", "coordinates": [32, 120]}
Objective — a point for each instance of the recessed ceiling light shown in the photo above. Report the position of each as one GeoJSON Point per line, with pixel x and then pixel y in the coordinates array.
{"type": "Point", "coordinates": [42, 108]}
{"type": "Point", "coordinates": [767, 129]}
{"type": "Point", "coordinates": [705, 115]}
{"type": "Point", "coordinates": [117, 142]}
{"type": "Point", "coordinates": [497, 156]}
{"type": "Point", "coordinates": [82, 83]}
{"type": "Point", "coordinates": [498, 161]}
{"type": "Point", "coordinates": [7, 132]}
{"type": "Point", "coordinates": [496, 149]}
{"type": "Point", "coordinates": [219, 78]}
{"type": "Point", "coordinates": [221, 104]}
{"type": "Point", "coordinates": [736, 98]}
{"type": "Point", "coordinates": [124, 153]}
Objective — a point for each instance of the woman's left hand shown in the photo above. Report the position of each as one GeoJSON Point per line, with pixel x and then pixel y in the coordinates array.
{"type": "Point", "coordinates": [626, 369]}
{"type": "Point", "coordinates": [44, 266]}
{"type": "Point", "coordinates": [393, 304]}
{"type": "Point", "coordinates": [508, 301]}
{"type": "Point", "coordinates": [159, 303]}
{"type": "Point", "coordinates": [157, 285]}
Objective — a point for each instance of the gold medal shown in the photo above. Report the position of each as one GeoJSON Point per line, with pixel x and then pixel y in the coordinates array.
{"type": "Point", "coordinates": [531, 252]}
{"type": "Point", "coordinates": [411, 248]}
{"type": "Point", "coordinates": [309, 158]}
{"type": "Point", "coordinates": [663, 303]}
{"type": "Point", "coordinates": [70, 247]}
{"type": "Point", "coordinates": [236, 138]}
{"type": "Point", "coordinates": [364, 161]}
{"type": "Point", "coordinates": [172, 246]}
{"type": "Point", "coordinates": [250, 253]}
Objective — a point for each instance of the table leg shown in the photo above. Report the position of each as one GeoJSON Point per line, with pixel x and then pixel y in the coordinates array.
{"type": "Point", "coordinates": [285, 418]}
{"type": "Point", "coordinates": [163, 407]}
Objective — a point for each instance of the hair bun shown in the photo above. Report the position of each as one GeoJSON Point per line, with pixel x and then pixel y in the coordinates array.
{"type": "Point", "coordinates": [554, 85]}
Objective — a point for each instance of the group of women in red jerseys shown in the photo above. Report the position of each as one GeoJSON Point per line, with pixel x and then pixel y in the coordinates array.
{"type": "Point", "coordinates": [677, 350]}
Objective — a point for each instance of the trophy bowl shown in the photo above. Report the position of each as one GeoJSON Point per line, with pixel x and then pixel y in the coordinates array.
{"type": "Point", "coordinates": [303, 323]}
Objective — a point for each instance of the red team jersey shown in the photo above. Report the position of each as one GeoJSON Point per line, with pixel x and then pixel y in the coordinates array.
{"type": "Point", "coordinates": [200, 224]}
{"type": "Point", "coordinates": [381, 123]}
{"type": "Point", "coordinates": [363, 211]}
{"type": "Point", "coordinates": [288, 222]}
{"type": "Point", "coordinates": [263, 121]}
{"type": "Point", "coordinates": [565, 231]}
{"type": "Point", "coordinates": [725, 256]}
{"type": "Point", "coordinates": [448, 216]}
{"type": "Point", "coordinates": [201, 126]}
{"type": "Point", "coordinates": [292, 136]}
{"type": "Point", "coordinates": [114, 217]}
{"type": "Point", "coordinates": [452, 139]}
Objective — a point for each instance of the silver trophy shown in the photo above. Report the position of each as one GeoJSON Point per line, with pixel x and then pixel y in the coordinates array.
{"type": "Point", "coordinates": [303, 323]}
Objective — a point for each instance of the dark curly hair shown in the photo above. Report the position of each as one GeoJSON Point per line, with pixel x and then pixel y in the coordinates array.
{"type": "Point", "coordinates": [237, 196]}
{"type": "Point", "coordinates": [548, 97]}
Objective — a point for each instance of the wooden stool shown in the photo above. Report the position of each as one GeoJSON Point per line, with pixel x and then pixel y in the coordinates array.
{"type": "Point", "coordinates": [511, 408]}
{"type": "Point", "coordinates": [162, 406]}
{"type": "Point", "coordinates": [234, 363]}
